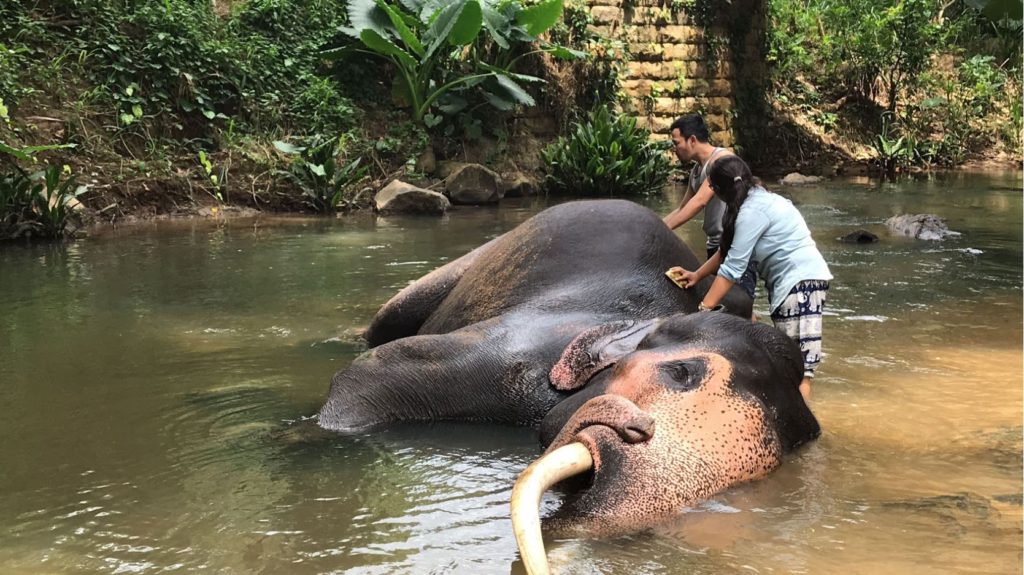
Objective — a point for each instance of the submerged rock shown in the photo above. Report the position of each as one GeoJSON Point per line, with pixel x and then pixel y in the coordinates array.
{"type": "Point", "coordinates": [920, 226]}
{"type": "Point", "coordinates": [859, 237]}
{"type": "Point", "coordinates": [399, 197]}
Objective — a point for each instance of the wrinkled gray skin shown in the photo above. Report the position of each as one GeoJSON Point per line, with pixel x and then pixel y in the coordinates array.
{"type": "Point", "coordinates": [475, 340]}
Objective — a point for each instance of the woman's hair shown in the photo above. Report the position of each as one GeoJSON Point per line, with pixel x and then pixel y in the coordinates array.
{"type": "Point", "coordinates": [731, 180]}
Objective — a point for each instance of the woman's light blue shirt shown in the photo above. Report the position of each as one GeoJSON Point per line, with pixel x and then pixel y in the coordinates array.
{"type": "Point", "coordinates": [771, 231]}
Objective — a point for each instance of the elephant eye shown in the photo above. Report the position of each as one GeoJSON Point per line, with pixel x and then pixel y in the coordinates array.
{"type": "Point", "coordinates": [682, 375]}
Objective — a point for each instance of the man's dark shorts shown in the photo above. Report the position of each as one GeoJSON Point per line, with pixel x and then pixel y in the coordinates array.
{"type": "Point", "coordinates": [748, 281]}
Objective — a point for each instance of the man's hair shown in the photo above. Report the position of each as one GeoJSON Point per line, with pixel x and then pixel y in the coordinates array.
{"type": "Point", "coordinates": [691, 125]}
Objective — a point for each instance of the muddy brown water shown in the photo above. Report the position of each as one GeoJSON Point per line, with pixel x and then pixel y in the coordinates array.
{"type": "Point", "coordinates": [156, 385]}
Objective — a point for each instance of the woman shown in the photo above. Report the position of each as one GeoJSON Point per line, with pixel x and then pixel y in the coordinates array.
{"type": "Point", "coordinates": [767, 228]}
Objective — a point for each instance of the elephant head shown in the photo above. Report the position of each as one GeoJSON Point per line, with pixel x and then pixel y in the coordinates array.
{"type": "Point", "coordinates": [704, 402]}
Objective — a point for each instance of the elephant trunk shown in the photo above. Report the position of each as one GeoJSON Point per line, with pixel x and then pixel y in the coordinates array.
{"type": "Point", "coordinates": [561, 463]}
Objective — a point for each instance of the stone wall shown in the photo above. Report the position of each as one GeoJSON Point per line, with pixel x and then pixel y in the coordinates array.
{"type": "Point", "coordinates": [678, 66]}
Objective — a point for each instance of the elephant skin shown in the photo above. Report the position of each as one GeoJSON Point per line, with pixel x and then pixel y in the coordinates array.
{"type": "Point", "coordinates": [568, 323]}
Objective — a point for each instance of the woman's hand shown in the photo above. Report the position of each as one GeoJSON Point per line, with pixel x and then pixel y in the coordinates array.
{"type": "Point", "coordinates": [683, 278]}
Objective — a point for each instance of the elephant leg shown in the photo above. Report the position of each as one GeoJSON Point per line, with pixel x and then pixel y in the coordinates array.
{"type": "Point", "coordinates": [466, 375]}
{"type": "Point", "coordinates": [404, 314]}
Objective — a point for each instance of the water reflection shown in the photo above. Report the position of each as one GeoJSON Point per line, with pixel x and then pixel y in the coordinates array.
{"type": "Point", "coordinates": [157, 383]}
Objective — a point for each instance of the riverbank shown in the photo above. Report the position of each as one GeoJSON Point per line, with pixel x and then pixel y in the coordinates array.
{"type": "Point", "coordinates": [180, 110]}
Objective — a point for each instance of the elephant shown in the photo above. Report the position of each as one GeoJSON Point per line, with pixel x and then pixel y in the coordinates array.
{"type": "Point", "coordinates": [567, 323]}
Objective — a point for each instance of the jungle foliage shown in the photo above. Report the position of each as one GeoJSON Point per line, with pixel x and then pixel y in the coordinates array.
{"type": "Point", "coordinates": [195, 94]}
{"type": "Point", "coordinates": [35, 204]}
{"type": "Point", "coordinates": [606, 154]}
{"type": "Point", "coordinates": [176, 89]}
{"type": "Point", "coordinates": [945, 75]}
{"type": "Point", "coordinates": [445, 51]}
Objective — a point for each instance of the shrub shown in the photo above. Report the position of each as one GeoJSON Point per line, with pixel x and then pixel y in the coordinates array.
{"type": "Point", "coordinates": [419, 37]}
{"type": "Point", "coordinates": [323, 173]}
{"type": "Point", "coordinates": [606, 155]}
{"type": "Point", "coordinates": [39, 204]}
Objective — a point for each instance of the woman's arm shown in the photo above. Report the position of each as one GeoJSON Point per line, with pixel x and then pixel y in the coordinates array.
{"type": "Point", "coordinates": [690, 279]}
{"type": "Point", "coordinates": [718, 290]}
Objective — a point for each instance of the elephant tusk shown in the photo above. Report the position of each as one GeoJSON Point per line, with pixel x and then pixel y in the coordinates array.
{"type": "Point", "coordinates": [563, 462]}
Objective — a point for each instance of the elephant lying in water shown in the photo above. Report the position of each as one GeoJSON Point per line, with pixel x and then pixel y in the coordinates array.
{"type": "Point", "coordinates": [568, 322]}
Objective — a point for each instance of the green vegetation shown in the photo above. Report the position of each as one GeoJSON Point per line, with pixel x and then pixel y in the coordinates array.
{"type": "Point", "coordinates": [39, 204]}
{"type": "Point", "coordinates": [425, 40]}
{"type": "Point", "coordinates": [317, 171]}
{"type": "Point", "coordinates": [189, 97]}
{"type": "Point", "coordinates": [933, 82]}
{"type": "Point", "coordinates": [177, 94]}
{"type": "Point", "coordinates": [305, 104]}
{"type": "Point", "coordinates": [606, 155]}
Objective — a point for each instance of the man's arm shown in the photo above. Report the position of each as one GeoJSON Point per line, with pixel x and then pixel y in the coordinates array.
{"type": "Point", "coordinates": [691, 205]}
{"type": "Point", "coordinates": [687, 196]}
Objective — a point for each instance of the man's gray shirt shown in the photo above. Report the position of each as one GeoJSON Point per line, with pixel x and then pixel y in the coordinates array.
{"type": "Point", "coordinates": [715, 209]}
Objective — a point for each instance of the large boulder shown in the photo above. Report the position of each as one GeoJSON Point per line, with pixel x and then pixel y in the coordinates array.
{"type": "Point", "coordinates": [920, 226]}
{"type": "Point", "coordinates": [798, 179]}
{"type": "Point", "coordinates": [474, 184]}
{"type": "Point", "coordinates": [520, 185]}
{"type": "Point", "coordinates": [446, 168]}
{"type": "Point", "coordinates": [399, 197]}
{"type": "Point", "coordinates": [427, 161]}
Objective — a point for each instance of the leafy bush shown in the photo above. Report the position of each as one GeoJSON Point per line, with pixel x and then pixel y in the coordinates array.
{"type": "Point", "coordinates": [178, 68]}
{"type": "Point", "coordinates": [427, 42]}
{"type": "Point", "coordinates": [324, 178]}
{"type": "Point", "coordinates": [868, 47]}
{"type": "Point", "coordinates": [940, 109]}
{"type": "Point", "coordinates": [35, 205]}
{"type": "Point", "coordinates": [606, 155]}
{"type": "Point", "coordinates": [984, 81]}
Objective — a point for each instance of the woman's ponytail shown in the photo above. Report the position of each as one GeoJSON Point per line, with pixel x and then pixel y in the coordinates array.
{"type": "Point", "coordinates": [731, 180]}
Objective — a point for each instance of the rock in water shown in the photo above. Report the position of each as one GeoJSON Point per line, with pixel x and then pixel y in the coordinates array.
{"type": "Point", "coordinates": [399, 197]}
{"type": "Point", "coordinates": [920, 226]}
{"type": "Point", "coordinates": [859, 237]}
{"type": "Point", "coordinates": [798, 179]}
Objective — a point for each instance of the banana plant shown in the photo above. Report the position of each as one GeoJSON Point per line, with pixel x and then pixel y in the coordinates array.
{"type": "Point", "coordinates": [427, 42]}
{"type": "Point", "coordinates": [892, 152]}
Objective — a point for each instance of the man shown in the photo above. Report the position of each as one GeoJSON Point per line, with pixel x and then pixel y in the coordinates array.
{"type": "Point", "coordinates": [690, 142]}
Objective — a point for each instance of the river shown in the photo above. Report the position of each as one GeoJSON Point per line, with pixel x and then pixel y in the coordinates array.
{"type": "Point", "coordinates": [157, 383]}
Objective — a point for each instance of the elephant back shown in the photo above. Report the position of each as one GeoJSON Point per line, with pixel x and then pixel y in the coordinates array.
{"type": "Point", "coordinates": [601, 257]}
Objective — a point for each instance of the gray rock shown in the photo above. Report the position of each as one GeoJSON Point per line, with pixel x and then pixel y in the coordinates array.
{"type": "Point", "coordinates": [446, 168]}
{"type": "Point", "coordinates": [399, 197]}
{"type": "Point", "coordinates": [520, 185]}
{"type": "Point", "coordinates": [474, 184]}
{"type": "Point", "coordinates": [920, 226]}
{"type": "Point", "coordinates": [859, 237]}
{"type": "Point", "coordinates": [798, 179]}
{"type": "Point", "coordinates": [427, 161]}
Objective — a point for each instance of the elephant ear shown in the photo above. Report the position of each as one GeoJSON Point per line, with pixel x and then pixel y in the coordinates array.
{"type": "Point", "coordinates": [596, 349]}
